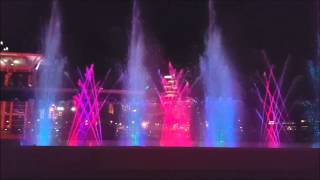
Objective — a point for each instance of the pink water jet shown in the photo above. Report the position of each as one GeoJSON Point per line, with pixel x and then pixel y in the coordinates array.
{"type": "Point", "coordinates": [86, 125]}
{"type": "Point", "coordinates": [176, 108]}
{"type": "Point", "coordinates": [273, 112]}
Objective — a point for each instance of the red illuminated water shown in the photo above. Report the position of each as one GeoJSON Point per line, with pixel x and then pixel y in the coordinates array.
{"type": "Point", "coordinates": [176, 107]}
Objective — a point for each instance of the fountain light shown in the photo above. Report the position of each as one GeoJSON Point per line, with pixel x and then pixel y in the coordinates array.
{"type": "Point", "coordinates": [60, 108]}
{"type": "Point", "coordinates": [273, 113]}
{"type": "Point", "coordinates": [174, 102]}
{"type": "Point", "coordinates": [144, 124]}
{"type": "Point", "coordinates": [86, 125]}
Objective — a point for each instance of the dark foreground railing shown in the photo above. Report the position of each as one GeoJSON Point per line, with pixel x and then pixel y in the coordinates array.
{"type": "Point", "coordinates": [158, 163]}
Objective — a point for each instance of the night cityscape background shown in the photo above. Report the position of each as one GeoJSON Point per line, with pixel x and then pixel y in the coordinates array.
{"type": "Point", "coordinates": [100, 30]}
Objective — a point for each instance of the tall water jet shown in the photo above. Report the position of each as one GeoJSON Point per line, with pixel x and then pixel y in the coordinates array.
{"type": "Point", "coordinates": [219, 92]}
{"type": "Point", "coordinates": [86, 125]}
{"type": "Point", "coordinates": [136, 80]}
{"type": "Point", "coordinates": [312, 108]}
{"type": "Point", "coordinates": [177, 109]}
{"type": "Point", "coordinates": [50, 77]}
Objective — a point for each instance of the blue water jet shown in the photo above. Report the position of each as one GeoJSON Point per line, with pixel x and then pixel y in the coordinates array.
{"type": "Point", "coordinates": [312, 108]}
{"type": "Point", "coordinates": [136, 82]}
{"type": "Point", "coordinates": [50, 77]}
{"type": "Point", "coordinates": [220, 108]}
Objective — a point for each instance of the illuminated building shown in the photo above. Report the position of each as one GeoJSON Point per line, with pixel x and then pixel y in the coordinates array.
{"type": "Point", "coordinates": [17, 71]}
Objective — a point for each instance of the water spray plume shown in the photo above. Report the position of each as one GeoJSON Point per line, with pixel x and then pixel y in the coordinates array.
{"type": "Point", "coordinates": [273, 112]}
{"type": "Point", "coordinates": [50, 77]}
{"type": "Point", "coordinates": [86, 125]}
{"type": "Point", "coordinates": [136, 82]}
{"type": "Point", "coordinates": [220, 107]}
{"type": "Point", "coordinates": [176, 107]}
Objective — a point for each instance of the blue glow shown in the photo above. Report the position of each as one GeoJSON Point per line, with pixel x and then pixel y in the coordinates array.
{"type": "Point", "coordinates": [43, 137]}
{"type": "Point", "coordinates": [312, 108]}
{"type": "Point", "coordinates": [50, 78]}
{"type": "Point", "coordinates": [134, 119]}
{"type": "Point", "coordinates": [220, 106]}
{"type": "Point", "coordinates": [220, 114]}
{"type": "Point", "coordinates": [136, 79]}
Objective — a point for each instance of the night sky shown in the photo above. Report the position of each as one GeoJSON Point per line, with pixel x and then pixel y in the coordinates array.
{"type": "Point", "coordinates": [97, 31]}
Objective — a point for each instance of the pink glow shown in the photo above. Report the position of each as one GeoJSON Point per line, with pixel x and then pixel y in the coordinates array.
{"type": "Point", "coordinates": [176, 107]}
{"type": "Point", "coordinates": [274, 111]}
{"type": "Point", "coordinates": [86, 127]}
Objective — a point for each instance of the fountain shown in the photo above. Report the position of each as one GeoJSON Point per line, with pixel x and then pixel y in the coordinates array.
{"type": "Point", "coordinates": [138, 123]}
{"type": "Point", "coordinates": [50, 77]}
{"type": "Point", "coordinates": [220, 108]}
{"type": "Point", "coordinates": [86, 125]}
{"type": "Point", "coordinates": [136, 74]}
{"type": "Point", "coordinates": [312, 108]}
{"type": "Point", "coordinates": [176, 106]}
{"type": "Point", "coordinates": [273, 112]}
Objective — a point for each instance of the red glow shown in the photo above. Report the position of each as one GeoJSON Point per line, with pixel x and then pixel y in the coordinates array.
{"type": "Point", "coordinates": [28, 61]}
{"type": "Point", "coordinates": [176, 107]}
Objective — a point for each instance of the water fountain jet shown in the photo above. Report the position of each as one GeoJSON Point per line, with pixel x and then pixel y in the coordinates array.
{"type": "Point", "coordinates": [86, 125]}
{"type": "Point", "coordinates": [136, 74]}
{"type": "Point", "coordinates": [177, 110]}
{"type": "Point", "coordinates": [51, 73]}
{"type": "Point", "coordinates": [220, 107]}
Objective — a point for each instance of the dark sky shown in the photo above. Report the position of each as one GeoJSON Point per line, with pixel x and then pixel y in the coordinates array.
{"type": "Point", "coordinates": [97, 31]}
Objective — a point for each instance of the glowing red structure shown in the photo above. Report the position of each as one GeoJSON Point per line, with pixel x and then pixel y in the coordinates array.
{"type": "Point", "coordinates": [273, 112]}
{"type": "Point", "coordinates": [17, 70]}
{"type": "Point", "coordinates": [86, 126]}
{"type": "Point", "coordinates": [176, 106]}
